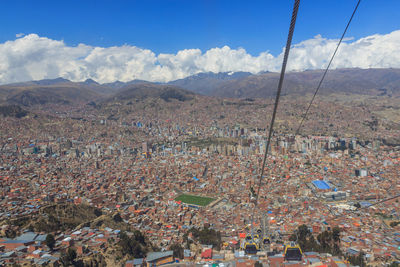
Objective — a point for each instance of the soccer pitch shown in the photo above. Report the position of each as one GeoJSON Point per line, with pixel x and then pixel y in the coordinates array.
{"type": "Point", "coordinates": [195, 200]}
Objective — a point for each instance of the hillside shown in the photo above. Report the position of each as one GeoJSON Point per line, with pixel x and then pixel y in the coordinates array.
{"type": "Point", "coordinates": [13, 111]}
{"type": "Point", "coordinates": [51, 95]}
{"type": "Point", "coordinates": [57, 91]}
{"type": "Point", "coordinates": [55, 217]}
{"type": "Point", "coordinates": [377, 82]}
{"type": "Point", "coordinates": [148, 90]}
{"type": "Point", "coordinates": [207, 83]}
{"type": "Point", "coordinates": [370, 82]}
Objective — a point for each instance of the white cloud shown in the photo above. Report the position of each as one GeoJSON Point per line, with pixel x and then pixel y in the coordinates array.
{"type": "Point", "coordinates": [18, 35]}
{"type": "Point", "coordinates": [31, 57]}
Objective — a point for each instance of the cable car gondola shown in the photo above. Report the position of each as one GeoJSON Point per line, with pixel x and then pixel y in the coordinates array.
{"type": "Point", "coordinates": [250, 248]}
{"type": "Point", "coordinates": [266, 241]}
{"type": "Point", "coordinates": [293, 252]}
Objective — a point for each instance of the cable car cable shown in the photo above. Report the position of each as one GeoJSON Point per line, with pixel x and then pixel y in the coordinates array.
{"type": "Point", "coordinates": [379, 202]}
{"type": "Point", "coordinates": [327, 68]}
{"type": "Point", "coordinates": [309, 106]}
{"type": "Point", "coordinates": [325, 72]}
{"type": "Point", "coordinates": [278, 94]}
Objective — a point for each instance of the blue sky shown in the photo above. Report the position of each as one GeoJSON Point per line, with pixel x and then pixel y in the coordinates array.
{"type": "Point", "coordinates": [166, 40]}
{"type": "Point", "coordinates": [167, 26]}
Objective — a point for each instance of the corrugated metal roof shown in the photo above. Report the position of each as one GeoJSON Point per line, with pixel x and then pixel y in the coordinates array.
{"type": "Point", "coordinates": [137, 261]}
{"type": "Point", "coordinates": [30, 236]}
{"type": "Point", "coordinates": [152, 256]}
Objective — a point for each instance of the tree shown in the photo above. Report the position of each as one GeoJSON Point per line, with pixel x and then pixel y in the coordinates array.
{"type": "Point", "coordinates": [134, 246]}
{"type": "Point", "coordinates": [187, 241]}
{"type": "Point", "coordinates": [324, 239]}
{"type": "Point", "coordinates": [304, 238]}
{"type": "Point", "coordinates": [304, 232]}
{"type": "Point", "coordinates": [50, 241]}
{"type": "Point", "coordinates": [98, 212]}
{"type": "Point", "coordinates": [139, 237]}
{"type": "Point", "coordinates": [336, 234]}
{"type": "Point", "coordinates": [178, 250]}
{"type": "Point", "coordinates": [117, 217]}
{"type": "Point", "coordinates": [71, 253]}
{"type": "Point", "coordinates": [68, 258]}
{"type": "Point", "coordinates": [328, 241]}
{"type": "Point", "coordinates": [10, 233]}
{"type": "Point", "coordinates": [357, 260]}
{"type": "Point", "coordinates": [207, 236]}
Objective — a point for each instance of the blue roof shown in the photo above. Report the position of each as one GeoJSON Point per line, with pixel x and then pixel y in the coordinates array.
{"type": "Point", "coordinates": [218, 257]}
{"type": "Point", "coordinates": [30, 236]}
{"type": "Point", "coordinates": [365, 204]}
{"type": "Point", "coordinates": [352, 251]}
{"type": "Point", "coordinates": [321, 184]}
{"type": "Point", "coordinates": [313, 260]}
{"type": "Point", "coordinates": [138, 261]}
{"type": "Point", "coordinates": [40, 238]}
{"type": "Point", "coordinates": [187, 253]}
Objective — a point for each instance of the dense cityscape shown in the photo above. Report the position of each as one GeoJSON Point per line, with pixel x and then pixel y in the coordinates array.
{"type": "Point", "coordinates": [200, 133]}
{"type": "Point", "coordinates": [86, 180]}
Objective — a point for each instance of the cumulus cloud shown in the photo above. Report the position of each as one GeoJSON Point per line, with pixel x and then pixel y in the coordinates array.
{"type": "Point", "coordinates": [31, 57]}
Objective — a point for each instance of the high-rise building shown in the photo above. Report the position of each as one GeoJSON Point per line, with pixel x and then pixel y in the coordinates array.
{"type": "Point", "coordinates": [145, 147]}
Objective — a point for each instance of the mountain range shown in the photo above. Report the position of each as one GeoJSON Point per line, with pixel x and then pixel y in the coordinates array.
{"type": "Point", "coordinates": [372, 82]}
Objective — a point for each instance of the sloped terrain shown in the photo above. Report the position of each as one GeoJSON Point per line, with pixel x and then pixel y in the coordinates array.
{"type": "Point", "coordinates": [379, 82]}
{"type": "Point", "coordinates": [143, 91]}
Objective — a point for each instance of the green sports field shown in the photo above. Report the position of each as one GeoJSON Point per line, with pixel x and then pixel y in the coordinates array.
{"type": "Point", "coordinates": [195, 200]}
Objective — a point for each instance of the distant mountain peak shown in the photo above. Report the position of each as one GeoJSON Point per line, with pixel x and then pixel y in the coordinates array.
{"type": "Point", "coordinates": [206, 82]}
{"type": "Point", "coordinates": [90, 81]}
